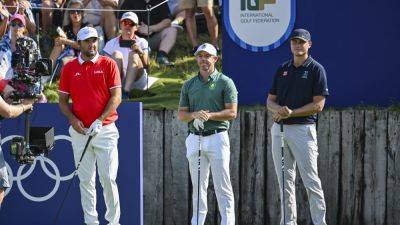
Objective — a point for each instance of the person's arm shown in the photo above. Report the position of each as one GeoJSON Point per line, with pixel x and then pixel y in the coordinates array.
{"type": "Point", "coordinates": [229, 113]}
{"type": "Point", "coordinates": [24, 9]}
{"type": "Point", "coordinates": [185, 116]}
{"type": "Point", "coordinates": [144, 30]}
{"type": "Point", "coordinates": [112, 104]}
{"type": "Point", "coordinates": [316, 106]}
{"type": "Point", "coordinates": [311, 108]}
{"type": "Point", "coordinates": [66, 110]}
{"type": "Point", "coordinates": [12, 111]}
{"type": "Point", "coordinates": [272, 106]}
{"type": "Point", "coordinates": [230, 96]}
{"type": "Point", "coordinates": [143, 54]}
{"type": "Point", "coordinates": [4, 22]}
{"type": "Point", "coordinates": [69, 42]}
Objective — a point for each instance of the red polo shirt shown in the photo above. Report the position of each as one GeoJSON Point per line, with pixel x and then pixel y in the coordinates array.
{"type": "Point", "coordinates": [88, 84]}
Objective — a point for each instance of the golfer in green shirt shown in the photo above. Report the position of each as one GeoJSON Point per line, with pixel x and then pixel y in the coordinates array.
{"type": "Point", "coordinates": [208, 102]}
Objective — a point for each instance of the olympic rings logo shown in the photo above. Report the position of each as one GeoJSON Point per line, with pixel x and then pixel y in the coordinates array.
{"type": "Point", "coordinates": [42, 160]}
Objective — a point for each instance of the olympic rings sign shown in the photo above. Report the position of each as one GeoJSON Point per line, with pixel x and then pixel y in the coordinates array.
{"type": "Point", "coordinates": [20, 176]}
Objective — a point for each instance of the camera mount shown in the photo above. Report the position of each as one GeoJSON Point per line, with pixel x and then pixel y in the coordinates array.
{"type": "Point", "coordinates": [36, 141]}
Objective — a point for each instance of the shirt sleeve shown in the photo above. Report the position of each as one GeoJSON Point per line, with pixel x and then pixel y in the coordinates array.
{"type": "Point", "coordinates": [64, 84]}
{"type": "Point", "coordinates": [273, 90]}
{"type": "Point", "coordinates": [230, 92]}
{"type": "Point", "coordinates": [184, 99]}
{"type": "Point", "coordinates": [145, 45]}
{"type": "Point", "coordinates": [320, 84]}
{"type": "Point", "coordinates": [114, 78]}
{"type": "Point", "coordinates": [108, 47]}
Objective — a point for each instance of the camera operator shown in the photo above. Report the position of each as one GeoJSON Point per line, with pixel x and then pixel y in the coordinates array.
{"type": "Point", "coordinates": [9, 111]}
{"type": "Point", "coordinates": [131, 54]}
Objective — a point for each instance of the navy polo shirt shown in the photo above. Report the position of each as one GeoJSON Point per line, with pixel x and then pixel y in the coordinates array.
{"type": "Point", "coordinates": [296, 87]}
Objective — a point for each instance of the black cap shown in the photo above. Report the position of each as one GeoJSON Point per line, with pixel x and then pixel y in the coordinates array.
{"type": "Point", "coordinates": [301, 34]}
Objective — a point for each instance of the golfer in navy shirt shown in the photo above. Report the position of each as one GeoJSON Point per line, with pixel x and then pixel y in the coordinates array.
{"type": "Point", "coordinates": [297, 94]}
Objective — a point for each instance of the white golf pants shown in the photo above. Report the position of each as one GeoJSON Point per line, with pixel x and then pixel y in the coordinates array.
{"type": "Point", "coordinates": [103, 151]}
{"type": "Point", "coordinates": [215, 153]}
{"type": "Point", "coordinates": [300, 148]}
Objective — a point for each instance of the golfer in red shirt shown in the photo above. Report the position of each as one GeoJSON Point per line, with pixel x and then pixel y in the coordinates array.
{"type": "Point", "coordinates": [94, 86]}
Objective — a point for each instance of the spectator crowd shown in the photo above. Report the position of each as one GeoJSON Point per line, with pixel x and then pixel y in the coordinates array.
{"type": "Point", "coordinates": [125, 34]}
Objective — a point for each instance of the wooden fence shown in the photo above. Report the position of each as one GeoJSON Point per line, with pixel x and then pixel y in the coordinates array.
{"type": "Point", "coordinates": [358, 166]}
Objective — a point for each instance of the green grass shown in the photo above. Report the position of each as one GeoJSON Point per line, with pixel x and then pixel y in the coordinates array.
{"type": "Point", "coordinates": [164, 94]}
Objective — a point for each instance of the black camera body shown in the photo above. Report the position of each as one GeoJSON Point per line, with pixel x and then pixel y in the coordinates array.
{"type": "Point", "coordinates": [40, 141]}
{"type": "Point", "coordinates": [28, 70]}
{"type": "Point", "coordinates": [126, 43]}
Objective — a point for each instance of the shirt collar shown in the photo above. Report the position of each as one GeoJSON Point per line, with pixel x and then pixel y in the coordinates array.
{"type": "Point", "coordinates": [305, 64]}
{"type": "Point", "coordinates": [212, 76]}
{"type": "Point", "coordinates": [93, 60]}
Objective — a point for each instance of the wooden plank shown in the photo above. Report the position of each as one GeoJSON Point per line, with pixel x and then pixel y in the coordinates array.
{"type": "Point", "coordinates": [329, 161]}
{"type": "Point", "coordinates": [303, 206]}
{"type": "Point", "coordinates": [176, 173]}
{"type": "Point", "coordinates": [212, 214]}
{"type": "Point", "coordinates": [252, 193]}
{"type": "Point", "coordinates": [393, 180]}
{"type": "Point", "coordinates": [273, 210]}
{"type": "Point", "coordinates": [234, 136]}
{"type": "Point", "coordinates": [375, 162]}
{"type": "Point", "coordinates": [351, 167]}
{"type": "Point", "coordinates": [153, 125]}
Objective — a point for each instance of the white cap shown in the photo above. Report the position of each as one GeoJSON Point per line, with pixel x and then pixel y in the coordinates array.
{"type": "Point", "coordinates": [130, 16]}
{"type": "Point", "coordinates": [87, 32]}
{"type": "Point", "coordinates": [206, 47]}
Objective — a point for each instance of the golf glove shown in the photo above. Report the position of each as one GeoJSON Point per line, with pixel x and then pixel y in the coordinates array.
{"type": "Point", "coordinates": [94, 128]}
{"type": "Point", "coordinates": [198, 124]}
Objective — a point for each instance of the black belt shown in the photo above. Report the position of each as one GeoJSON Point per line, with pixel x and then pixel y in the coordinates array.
{"type": "Point", "coordinates": [208, 132]}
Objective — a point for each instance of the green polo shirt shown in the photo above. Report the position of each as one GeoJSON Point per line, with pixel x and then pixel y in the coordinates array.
{"type": "Point", "coordinates": [196, 94]}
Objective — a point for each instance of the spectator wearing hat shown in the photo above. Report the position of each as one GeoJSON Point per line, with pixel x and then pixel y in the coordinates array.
{"type": "Point", "coordinates": [131, 53]}
{"type": "Point", "coordinates": [67, 38]}
{"type": "Point", "coordinates": [18, 30]}
{"type": "Point", "coordinates": [162, 36]}
{"type": "Point", "coordinates": [93, 84]}
{"type": "Point", "coordinates": [208, 102]}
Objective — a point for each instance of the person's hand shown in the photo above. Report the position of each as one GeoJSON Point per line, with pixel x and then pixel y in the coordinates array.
{"type": "Point", "coordinates": [285, 111]}
{"type": "Point", "coordinates": [144, 29]}
{"type": "Point", "coordinates": [59, 41]}
{"type": "Point", "coordinates": [27, 104]}
{"type": "Point", "coordinates": [201, 115]}
{"type": "Point", "coordinates": [23, 5]}
{"type": "Point", "coordinates": [95, 128]}
{"type": "Point", "coordinates": [136, 48]}
{"type": "Point", "coordinates": [198, 124]}
{"type": "Point", "coordinates": [7, 92]}
{"type": "Point", "coordinates": [78, 126]}
{"type": "Point", "coordinates": [277, 117]}
{"type": "Point", "coordinates": [4, 12]}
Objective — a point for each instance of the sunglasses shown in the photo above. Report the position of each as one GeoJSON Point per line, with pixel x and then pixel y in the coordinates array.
{"type": "Point", "coordinates": [128, 23]}
{"type": "Point", "coordinates": [75, 11]}
{"type": "Point", "coordinates": [15, 23]}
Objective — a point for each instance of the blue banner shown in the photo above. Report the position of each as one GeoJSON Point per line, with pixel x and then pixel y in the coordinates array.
{"type": "Point", "coordinates": [37, 190]}
{"type": "Point", "coordinates": [354, 40]}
